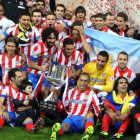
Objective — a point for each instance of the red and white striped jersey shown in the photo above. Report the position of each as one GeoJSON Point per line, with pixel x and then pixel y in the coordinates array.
{"type": "Point", "coordinates": [41, 26]}
{"type": "Point", "coordinates": [21, 96]}
{"type": "Point", "coordinates": [81, 103]}
{"type": "Point", "coordinates": [78, 45]}
{"type": "Point", "coordinates": [130, 75]}
{"type": "Point", "coordinates": [33, 37]}
{"type": "Point", "coordinates": [9, 92]}
{"type": "Point", "coordinates": [7, 63]}
{"type": "Point", "coordinates": [75, 60]}
{"type": "Point", "coordinates": [40, 54]}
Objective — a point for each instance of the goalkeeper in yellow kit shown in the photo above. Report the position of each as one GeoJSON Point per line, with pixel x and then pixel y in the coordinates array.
{"type": "Point", "coordinates": [101, 74]}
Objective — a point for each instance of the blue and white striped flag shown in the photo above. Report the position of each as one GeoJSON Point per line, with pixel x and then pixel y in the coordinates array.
{"type": "Point", "coordinates": [114, 44]}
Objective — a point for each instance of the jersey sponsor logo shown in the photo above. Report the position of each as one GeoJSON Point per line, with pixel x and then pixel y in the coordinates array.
{"type": "Point", "coordinates": [78, 101]}
{"type": "Point", "coordinates": [97, 80]}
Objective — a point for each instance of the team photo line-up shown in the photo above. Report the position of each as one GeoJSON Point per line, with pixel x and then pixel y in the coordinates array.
{"type": "Point", "coordinates": [52, 66]}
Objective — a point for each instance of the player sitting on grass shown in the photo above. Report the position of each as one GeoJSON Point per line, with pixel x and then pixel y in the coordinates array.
{"type": "Point", "coordinates": [118, 105]}
{"type": "Point", "coordinates": [25, 99]}
{"type": "Point", "coordinates": [81, 100]}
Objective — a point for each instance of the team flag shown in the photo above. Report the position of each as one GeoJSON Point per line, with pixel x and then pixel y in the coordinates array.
{"type": "Point", "coordinates": [115, 44]}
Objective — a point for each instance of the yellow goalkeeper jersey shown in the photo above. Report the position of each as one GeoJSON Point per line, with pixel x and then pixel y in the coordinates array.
{"type": "Point", "coordinates": [104, 77]}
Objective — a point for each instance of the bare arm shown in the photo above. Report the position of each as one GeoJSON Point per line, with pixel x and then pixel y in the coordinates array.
{"type": "Point", "coordinates": [35, 66]}
{"type": "Point", "coordinates": [77, 73]}
{"type": "Point", "coordinates": [2, 37]}
{"type": "Point", "coordinates": [1, 106]}
{"type": "Point", "coordinates": [87, 47]}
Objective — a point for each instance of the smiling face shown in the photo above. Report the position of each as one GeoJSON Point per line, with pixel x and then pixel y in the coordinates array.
{"type": "Point", "coordinates": [83, 82]}
{"type": "Point", "coordinates": [24, 21]}
{"type": "Point", "coordinates": [109, 22]}
{"type": "Point", "coordinates": [68, 50]}
{"type": "Point", "coordinates": [51, 40]}
{"type": "Point", "coordinates": [69, 12]}
{"type": "Point", "coordinates": [101, 62]}
{"type": "Point", "coordinates": [75, 33]}
{"type": "Point", "coordinates": [59, 12]}
{"type": "Point", "coordinates": [37, 18]}
{"type": "Point", "coordinates": [122, 61]}
{"type": "Point", "coordinates": [99, 23]}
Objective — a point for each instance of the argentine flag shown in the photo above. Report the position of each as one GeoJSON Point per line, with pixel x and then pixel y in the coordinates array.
{"type": "Point", "coordinates": [114, 44]}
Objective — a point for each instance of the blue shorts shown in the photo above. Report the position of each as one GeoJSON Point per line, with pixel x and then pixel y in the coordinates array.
{"type": "Point", "coordinates": [33, 78]}
{"type": "Point", "coordinates": [114, 128]}
{"type": "Point", "coordinates": [76, 124]}
{"type": "Point", "coordinates": [11, 116]}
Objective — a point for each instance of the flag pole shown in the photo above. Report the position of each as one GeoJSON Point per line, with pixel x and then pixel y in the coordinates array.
{"type": "Point", "coordinates": [98, 6]}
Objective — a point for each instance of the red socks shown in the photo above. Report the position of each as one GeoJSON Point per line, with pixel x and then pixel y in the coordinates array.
{"type": "Point", "coordinates": [29, 125]}
{"type": "Point", "coordinates": [89, 122]}
{"type": "Point", "coordinates": [124, 125]}
{"type": "Point", "coordinates": [105, 123]}
{"type": "Point", "coordinates": [61, 131]}
{"type": "Point", "coordinates": [42, 114]}
{"type": "Point", "coordinates": [1, 122]}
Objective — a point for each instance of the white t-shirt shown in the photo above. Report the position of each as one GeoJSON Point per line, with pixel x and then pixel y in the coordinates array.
{"type": "Point", "coordinates": [4, 24]}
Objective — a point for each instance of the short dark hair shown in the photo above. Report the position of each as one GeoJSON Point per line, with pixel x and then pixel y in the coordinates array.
{"type": "Point", "coordinates": [124, 53]}
{"type": "Point", "coordinates": [92, 16]}
{"type": "Point", "coordinates": [104, 54]}
{"type": "Point", "coordinates": [12, 72]}
{"type": "Point", "coordinates": [76, 23]}
{"type": "Point", "coordinates": [41, 1]}
{"type": "Point", "coordinates": [14, 40]}
{"type": "Point", "coordinates": [24, 13]}
{"type": "Point", "coordinates": [60, 5]}
{"type": "Point", "coordinates": [123, 15]}
{"type": "Point", "coordinates": [67, 41]}
{"type": "Point", "coordinates": [117, 82]}
{"type": "Point", "coordinates": [86, 74]}
{"type": "Point", "coordinates": [108, 13]}
{"type": "Point", "coordinates": [47, 32]}
{"type": "Point", "coordinates": [51, 13]}
{"type": "Point", "coordinates": [38, 11]}
{"type": "Point", "coordinates": [100, 15]}
{"type": "Point", "coordinates": [80, 9]}
{"type": "Point", "coordinates": [24, 84]}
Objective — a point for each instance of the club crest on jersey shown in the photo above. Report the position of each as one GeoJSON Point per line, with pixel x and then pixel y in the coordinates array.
{"type": "Point", "coordinates": [21, 2]}
{"type": "Point", "coordinates": [17, 62]}
{"type": "Point", "coordinates": [104, 74]}
{"type": "Point", "coordinates": [33, 53]}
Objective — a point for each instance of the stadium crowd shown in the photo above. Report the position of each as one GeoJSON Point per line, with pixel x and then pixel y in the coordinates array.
{"type": "Point", "coordinates": [37, 35]}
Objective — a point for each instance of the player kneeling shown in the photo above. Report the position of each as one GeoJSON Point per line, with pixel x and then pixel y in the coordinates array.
{"type": "Point", "coordinates": [80, 118]}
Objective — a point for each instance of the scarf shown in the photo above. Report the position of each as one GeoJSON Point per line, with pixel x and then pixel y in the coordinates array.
{"type": "Point", "coordinates": [22, 38]}
{"type": "Point", "coordinates": [125, 104]}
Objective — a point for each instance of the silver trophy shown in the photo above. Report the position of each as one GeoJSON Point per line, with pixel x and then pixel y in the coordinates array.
{"type": "Point", "coordinates": [56, 75]}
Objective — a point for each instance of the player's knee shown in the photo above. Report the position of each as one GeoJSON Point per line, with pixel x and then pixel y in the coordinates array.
{"type": "Point", "coordinates": [89, 115]}
{"type": "Point", "coordinates": [27, 120]}
{"type": "Point", "coordinates": [66, 127]}
{"type": "Point", "coordinates": [44, 92]}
